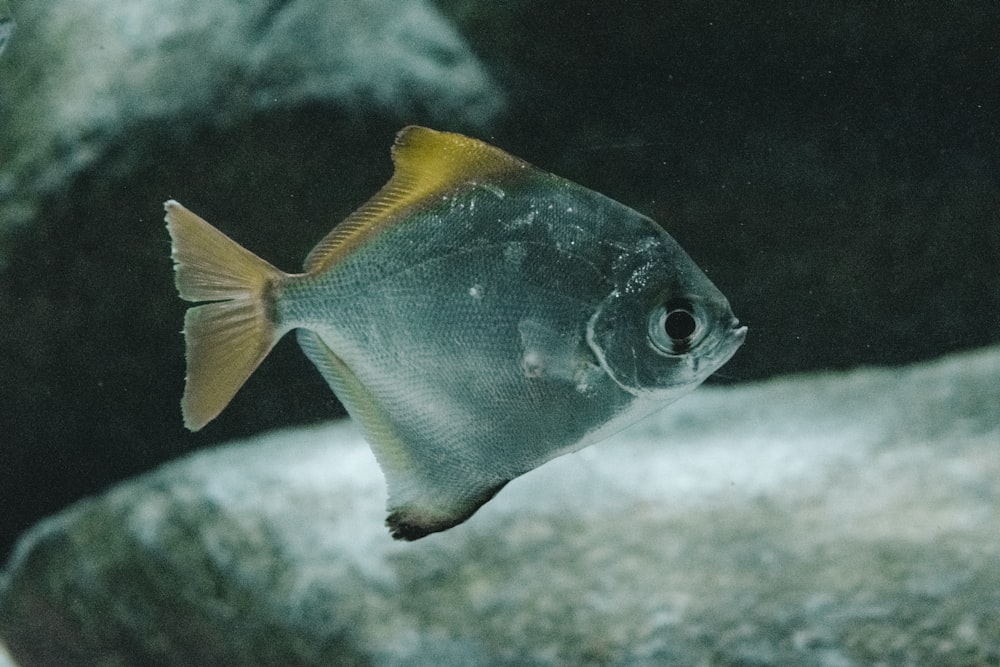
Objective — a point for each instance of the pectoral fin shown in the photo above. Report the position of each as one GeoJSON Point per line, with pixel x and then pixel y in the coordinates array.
{"type": "Point", "coordinates": [428, 493]}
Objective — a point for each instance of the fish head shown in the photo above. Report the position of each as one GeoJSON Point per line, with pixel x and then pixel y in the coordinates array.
{"type": "Point", "coordinates": [664, 328]}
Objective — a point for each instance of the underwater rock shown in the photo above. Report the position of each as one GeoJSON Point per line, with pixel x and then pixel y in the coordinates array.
{"type": "Point", "coordinates": [280, 113]}
{"type": "Point", "coordinates": [86, 76]}
{"type": "Point", "coordinates": [830, 519]}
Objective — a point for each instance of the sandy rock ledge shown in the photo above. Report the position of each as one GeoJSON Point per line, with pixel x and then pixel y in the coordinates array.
{"type": "Point", "coordinates": [834, 519]}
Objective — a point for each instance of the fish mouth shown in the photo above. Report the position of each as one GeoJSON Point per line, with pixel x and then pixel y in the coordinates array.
{"type": "Point", "coordinates": [738, 333]}
{"type": "Point", "coordinates": [729, 343]}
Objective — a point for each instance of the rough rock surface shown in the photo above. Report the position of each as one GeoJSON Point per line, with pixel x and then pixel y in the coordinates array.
{"type": "Point", "coordinates": [84, 74]}
{"type": "Point", "coordinates": [835, 519]}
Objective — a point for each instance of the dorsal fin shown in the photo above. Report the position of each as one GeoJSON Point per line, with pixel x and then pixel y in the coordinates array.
{"type": "Point", "coordinates": [427, 163]}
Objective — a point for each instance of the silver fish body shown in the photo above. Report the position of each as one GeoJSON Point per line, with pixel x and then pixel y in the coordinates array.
{"type": "Point", "coordinates": [506, 319]}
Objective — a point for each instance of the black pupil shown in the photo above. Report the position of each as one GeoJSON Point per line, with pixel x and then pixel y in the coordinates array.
{"type": "Point", "coordinates": [679, 324]}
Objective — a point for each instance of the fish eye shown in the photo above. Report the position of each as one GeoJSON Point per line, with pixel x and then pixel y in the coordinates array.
{"type": "Point", "coordinates": [675, 326]}
{"type": "Point", "coordinates": [679, 324]}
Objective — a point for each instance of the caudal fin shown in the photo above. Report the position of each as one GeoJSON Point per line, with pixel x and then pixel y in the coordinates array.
{"type": "Point", "coordinates": [229, 337]}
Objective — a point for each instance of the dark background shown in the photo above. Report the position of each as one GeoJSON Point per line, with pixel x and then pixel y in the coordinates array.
{"type": "Point", "coordinates": [832, 167]}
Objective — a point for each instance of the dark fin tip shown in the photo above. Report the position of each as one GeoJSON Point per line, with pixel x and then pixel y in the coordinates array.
{"type": "Point", "coordinates": [406, 523]}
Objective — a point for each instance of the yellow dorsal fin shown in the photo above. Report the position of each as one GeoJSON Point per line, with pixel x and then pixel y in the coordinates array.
{"type": "Point", "coordinates": [428, 163]}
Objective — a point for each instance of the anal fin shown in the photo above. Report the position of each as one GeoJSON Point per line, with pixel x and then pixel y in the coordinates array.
{"type": "Point", "coordinates": [410, 523]}
{"type": "Point", "coordinates": [425, 494]}
{"type": "Point", "coordinates": [359, 402]}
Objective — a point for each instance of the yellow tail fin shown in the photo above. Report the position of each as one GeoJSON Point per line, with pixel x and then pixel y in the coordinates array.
{"type": "Point", "coordinates": [228, 338]}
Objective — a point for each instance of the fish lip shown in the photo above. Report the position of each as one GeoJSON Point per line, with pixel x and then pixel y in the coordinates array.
{"type": "Point", "coordinates": [727, 345]}
{"type": "Point", "coordinates": [737, 331]}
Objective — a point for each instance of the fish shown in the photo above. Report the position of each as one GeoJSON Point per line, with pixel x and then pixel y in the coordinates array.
{"type": "Point", "coordinates": [477, 317]}
{"type": "Point", "coordinates": [7, 25]}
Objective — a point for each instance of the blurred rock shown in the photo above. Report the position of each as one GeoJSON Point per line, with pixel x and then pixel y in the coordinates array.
{"type": "Point", "coordinates": [834, 519]}
{"type": "Point", "coordinates": [272, 118]}
{"type": "Point", "coordinates": [85, 73]}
